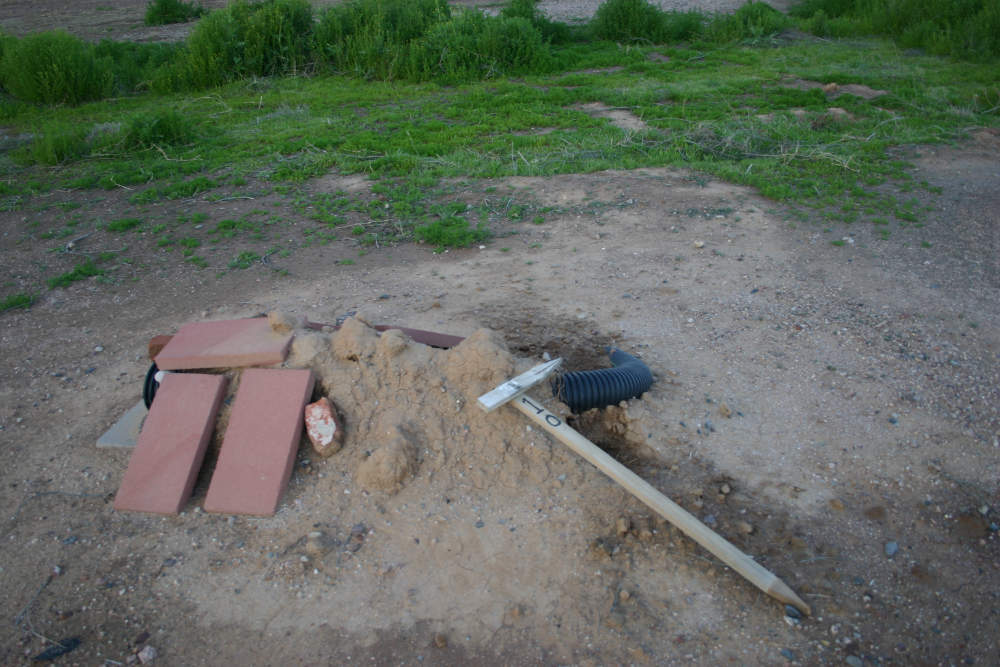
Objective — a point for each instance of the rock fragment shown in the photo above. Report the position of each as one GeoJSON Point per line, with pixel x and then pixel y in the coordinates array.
{"type": "Point", "coordinates": [322, 427]}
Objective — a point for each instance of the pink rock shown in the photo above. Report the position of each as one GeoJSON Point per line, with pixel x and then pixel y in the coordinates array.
{"type": "Point", "coordinates": [322, 426]}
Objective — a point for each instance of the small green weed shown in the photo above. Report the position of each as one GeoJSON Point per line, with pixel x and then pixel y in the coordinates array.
{"type": "Point", "coordinates": [451, 232]}
{"type": "Point", "coordinates": [19, 300]}
{"type": "Point", "coordinates": [123, 224]}
{"type": "Point", "coordinates": [81, 271]}
{"type": "Point", "coordinates": [244, 260]}
{"type": "Point", "coordinates": [180, 190]}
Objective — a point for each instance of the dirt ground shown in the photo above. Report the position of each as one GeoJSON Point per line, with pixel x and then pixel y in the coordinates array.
{"type": "Point", "coordinates": [832, 411]}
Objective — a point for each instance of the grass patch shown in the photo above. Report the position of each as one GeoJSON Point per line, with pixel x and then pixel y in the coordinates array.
{"type": "Point", "coordinates": [82, 271]}
{"type": "Point", "coordinates": [15, 301]}
{"type": "Point", "coordinates": [451, 232]}
{"type": "Point", "coordinates": [244, 260]}
{"type": "Point", "coordinates": [729, 102]}
{"type": "Point", "coordinates": [123, 224]}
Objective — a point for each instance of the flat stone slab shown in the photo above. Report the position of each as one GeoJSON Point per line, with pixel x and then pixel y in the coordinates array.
{"type": "Point", "coordinates": [125, 432]}
{"type": "Point", "coordinates": [261, 440]}
{"type": "Point", "coordinates": [165, 462]}
{"type": "Point", "coordinates": [224, 344]}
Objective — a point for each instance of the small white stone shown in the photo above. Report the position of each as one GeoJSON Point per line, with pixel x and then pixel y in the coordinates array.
{"type": "Point", "coordinates": [147, 654]}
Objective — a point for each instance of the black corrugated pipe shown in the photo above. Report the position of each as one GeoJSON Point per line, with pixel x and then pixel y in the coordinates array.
{"type": "Point", "coordinates": [150, 386]}
{"type": "Point", "coordinates": [582, 390]}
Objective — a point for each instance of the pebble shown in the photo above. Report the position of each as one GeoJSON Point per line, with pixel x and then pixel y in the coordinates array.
{"type": "Point", "coordinates": [793, 613]}
{"type": "Point", "coordinates": [622, 526]}
{"type": "Point", "coordinates": [99, 348]}
{"type": "Point", "coordinates": [147, 654]}
{"type": "Point", "coordinates": [891, 549]}
{"type": "Point", "coordinates": [710, 520]}
{"type": "Point", "coordinates": [853, 661]}
{"type": "Point", "coordinates": [699, 244]}
{"type": "Point", "coordinates": [744, 527]}
{"type": "Point", "coordinates": [788, 654]}
{"type": "Point", "coordinates": [440, 640]}
{"type": "Point", "coordinates": [725, 489]}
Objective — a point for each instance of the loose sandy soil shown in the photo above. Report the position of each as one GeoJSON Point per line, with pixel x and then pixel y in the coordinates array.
{"type": "Point", "coordinates": [821, 407]}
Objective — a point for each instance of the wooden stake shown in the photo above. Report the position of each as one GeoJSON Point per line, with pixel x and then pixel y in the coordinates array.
{"type": "Point", "coordinates": [750, 569]}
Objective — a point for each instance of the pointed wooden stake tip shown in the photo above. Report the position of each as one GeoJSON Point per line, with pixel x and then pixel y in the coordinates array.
{"type": "Point", "coordinates": [780, 590]}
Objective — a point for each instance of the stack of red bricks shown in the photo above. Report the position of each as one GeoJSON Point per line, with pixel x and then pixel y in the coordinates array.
{"type": "Point", "coordinates": [261, 439]}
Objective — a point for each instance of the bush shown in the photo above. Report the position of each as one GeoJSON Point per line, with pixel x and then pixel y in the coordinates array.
{"type": "Point", "coordinates": [54, 68]}
{"type": "Point", "coordinates": [966, 29]}
{"type": "Point", "coordinates": [628, 21]}
{"type": "Point", "coordinates": [162, 12]}
{"type": "Point", "coordinates": [553, 31]}
{"type": "Point", "coordinates": [57, 143]}
{"type": "Point", "coordinates": [472, 46]}
{"type": "Point", "coordinates": [134, 65]}
{"type": "Point", "coordinates": [260, 39]}
{"type": "Point", "coordinates": [370, 38]}
{"type": "Point", "coordinates": [753, 20]}
{"type": "Point", "coordinates": [166, 128]}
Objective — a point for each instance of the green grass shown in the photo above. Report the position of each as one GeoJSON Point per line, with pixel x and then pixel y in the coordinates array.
{"type": "Point", "coordinates": [19, 300]}
{"type": "Point", "coordinates": [723, 104]}
{"type": "Point", "coordinates": [123, 224]}
{"type": "Point", "coordinates": [82, 271]}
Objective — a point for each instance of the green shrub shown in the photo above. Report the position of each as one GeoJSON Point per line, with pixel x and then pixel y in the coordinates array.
{"type": "Point", "coordinates": [162, 12]}
{"type": "Point", "coordinates": [451, 232]}
{"type": "Point", "coordinates": [628, 21]}
{"type": "Point", "coordinates": [553, 31]}
{"type": "Point", "coordinates": [962, 28]}
{"type": "Point", "coordinates": [56, 143]}
{"type": "Point", "coordinates": [754, 20]}
{"type": "Point", "coordinates": [473, 46]}
{"type": "Point", "coordinates": [134, 65]}
{"type": "Point", "coordinates": [274, 36]}
{"type": "Point", "coordinates": [165, 128]}
{"type": "Point", "coordinates": [370, 38]}
{"type": "Point", "coordinates": [244, 39]}
{"type": "Point", "coordinates": [54, 68]}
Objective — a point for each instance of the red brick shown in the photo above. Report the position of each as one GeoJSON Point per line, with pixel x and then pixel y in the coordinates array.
{"type": "Point", "coordinates": [224, 344]}
{"type": "Point", "coordinates": [259, 447]}
{"type": "Point", "coordinates": [171, 446]}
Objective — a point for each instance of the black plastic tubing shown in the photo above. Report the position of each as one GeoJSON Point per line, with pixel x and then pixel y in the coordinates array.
{"type": "Point", "coordinates": [583, 390]}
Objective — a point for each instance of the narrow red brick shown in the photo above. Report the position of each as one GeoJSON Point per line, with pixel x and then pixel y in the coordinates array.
{"type": "Point", "coordinates": [165, 462]}
{"type": "Point", "coordinates": [259, 447]}
{"type": "Point", "coordinates": [224, 344]}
